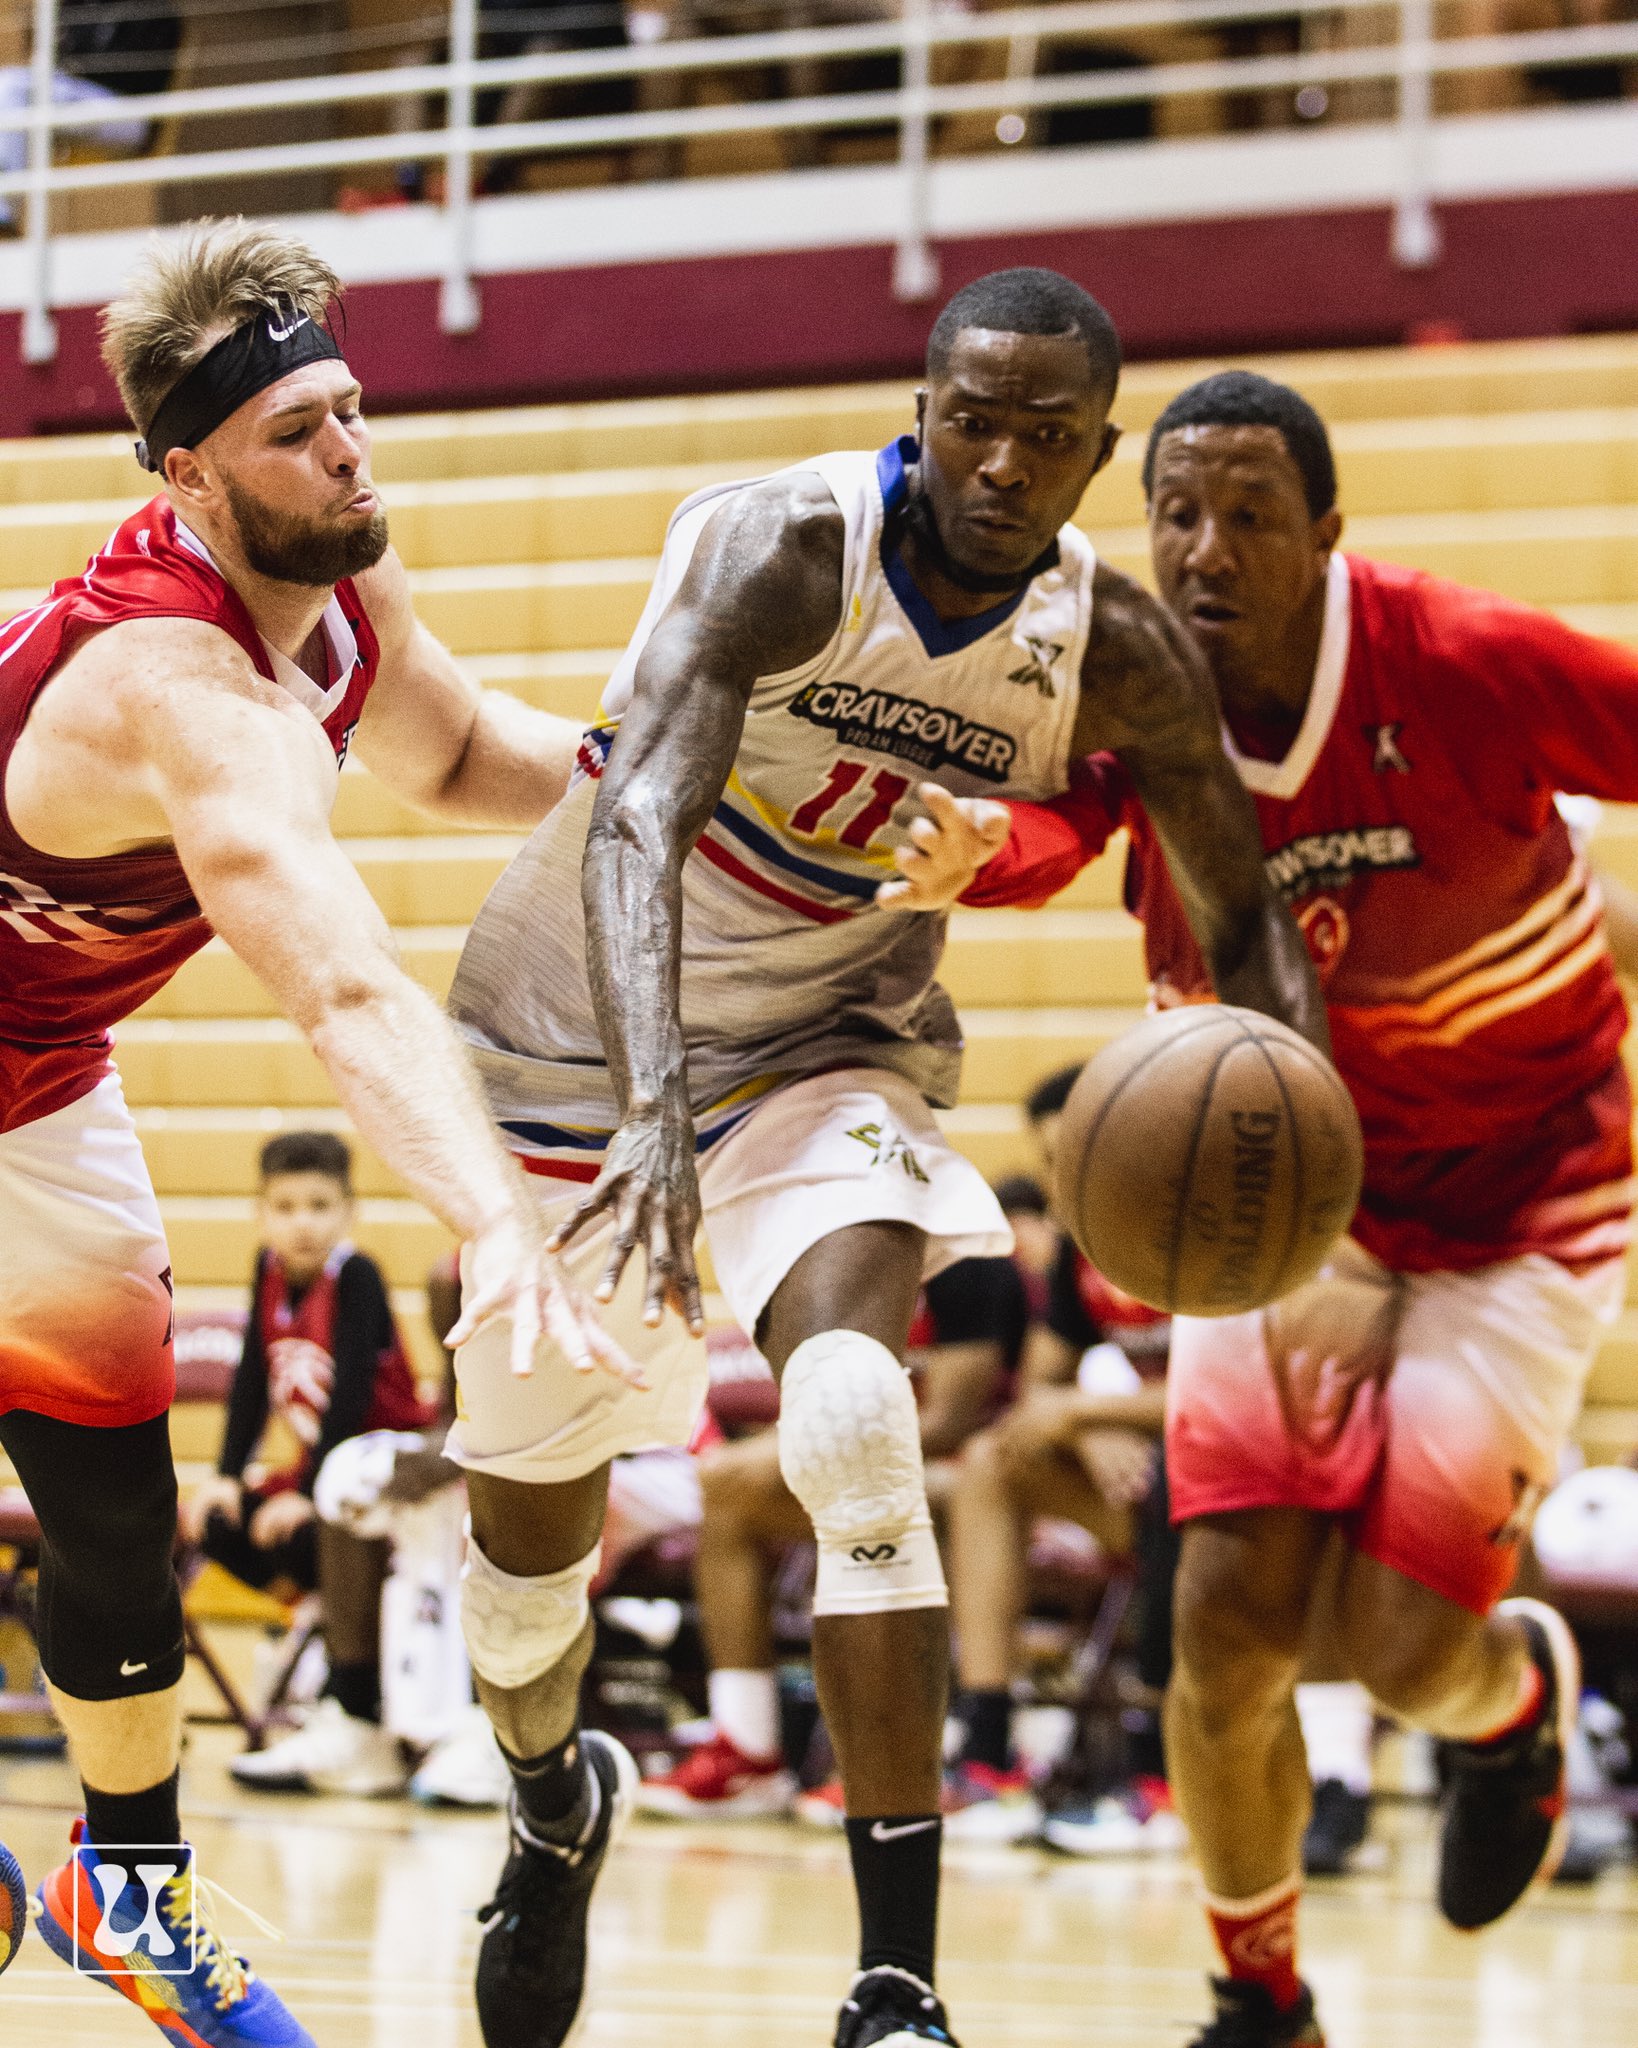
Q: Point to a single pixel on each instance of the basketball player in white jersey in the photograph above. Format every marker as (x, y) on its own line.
(683, 993)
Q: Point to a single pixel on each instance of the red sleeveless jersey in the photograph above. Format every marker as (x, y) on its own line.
(83, 943)
(1411, 828)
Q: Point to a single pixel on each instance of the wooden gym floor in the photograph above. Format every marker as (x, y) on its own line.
(727, 1937)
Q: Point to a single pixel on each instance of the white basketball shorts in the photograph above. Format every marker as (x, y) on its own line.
(85, 1279)
(858, 1145)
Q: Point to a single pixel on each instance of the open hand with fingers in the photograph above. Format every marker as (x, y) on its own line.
(649, 1186)
(511, 1272)
(947, 848)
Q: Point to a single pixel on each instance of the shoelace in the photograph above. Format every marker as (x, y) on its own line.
(228, 1976)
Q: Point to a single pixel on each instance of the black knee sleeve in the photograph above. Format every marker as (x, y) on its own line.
(110, 1608)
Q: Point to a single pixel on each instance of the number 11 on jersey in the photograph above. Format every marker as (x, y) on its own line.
(884, 787)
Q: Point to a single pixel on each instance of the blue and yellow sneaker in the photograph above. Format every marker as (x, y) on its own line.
(161, 1951)
(13, 1905)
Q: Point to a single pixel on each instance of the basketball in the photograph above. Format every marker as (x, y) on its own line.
(1207, 1160)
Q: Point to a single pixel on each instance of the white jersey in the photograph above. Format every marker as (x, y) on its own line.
(787, 965)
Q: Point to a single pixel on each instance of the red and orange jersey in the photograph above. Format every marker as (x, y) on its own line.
(85, 942)
(1411, 827)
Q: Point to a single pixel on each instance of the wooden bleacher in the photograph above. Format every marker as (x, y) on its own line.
(531, 535)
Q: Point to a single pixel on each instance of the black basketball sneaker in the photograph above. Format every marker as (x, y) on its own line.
(1247, 2017)
(1504, 1818)
(1336, 1828)
(889, 2008)
(532, 1959)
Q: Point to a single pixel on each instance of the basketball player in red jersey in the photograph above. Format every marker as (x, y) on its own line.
(171, 725)
(1403, 739)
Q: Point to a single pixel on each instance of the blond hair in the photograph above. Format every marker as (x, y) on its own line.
(192, 290)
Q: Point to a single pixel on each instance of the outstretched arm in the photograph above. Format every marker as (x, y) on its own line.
(241, 781)
(762, 594)
(1147, 698)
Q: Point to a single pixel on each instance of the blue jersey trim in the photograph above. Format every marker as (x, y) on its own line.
(556, 1138)
(938, 636)
(773, 850)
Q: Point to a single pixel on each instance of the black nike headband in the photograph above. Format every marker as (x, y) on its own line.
(257, 353)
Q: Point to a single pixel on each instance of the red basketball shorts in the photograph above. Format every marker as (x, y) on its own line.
(85, 1297)
(1426, 1410)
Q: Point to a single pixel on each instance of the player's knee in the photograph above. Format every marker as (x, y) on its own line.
(850, 1451)
(518, 1629)
(110, 1607)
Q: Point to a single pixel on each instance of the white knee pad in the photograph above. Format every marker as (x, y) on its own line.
(517, 1629)
(850, 1450)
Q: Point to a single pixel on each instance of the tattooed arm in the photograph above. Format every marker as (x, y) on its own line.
(762, 594)
(1147, 698)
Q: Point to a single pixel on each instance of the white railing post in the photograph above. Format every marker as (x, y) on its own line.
(1416, 237)
(459, 307)
(39, 329)
(915, 262)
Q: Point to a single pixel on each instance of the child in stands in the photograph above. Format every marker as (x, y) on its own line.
(322, 1362)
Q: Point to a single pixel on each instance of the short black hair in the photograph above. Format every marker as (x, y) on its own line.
(1047, 1097)
(1240, 398)
(1021, 1194)
(1028, 301)
(308, 1152)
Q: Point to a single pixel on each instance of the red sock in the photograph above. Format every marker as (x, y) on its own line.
(1532, 1695)
(1258, 1939)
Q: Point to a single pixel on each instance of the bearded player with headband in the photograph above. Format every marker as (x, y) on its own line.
(171, 726)
(681, 994)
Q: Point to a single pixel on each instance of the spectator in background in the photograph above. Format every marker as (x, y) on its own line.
(322, 1363)
(1036, 1238)
(1081, 1445)
(964, 1345)
(532, 28)
(106, 50)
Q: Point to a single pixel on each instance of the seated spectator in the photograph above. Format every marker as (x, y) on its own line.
(1081, 1445)
(391, 1512)
(322, 1362)
(1036, 1238)
(1084, 1444)
(106, 50)
(1085, 1450)
(963, 1346)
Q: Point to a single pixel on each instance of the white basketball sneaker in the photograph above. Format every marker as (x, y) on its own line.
(465, 1769)
(332, 1751)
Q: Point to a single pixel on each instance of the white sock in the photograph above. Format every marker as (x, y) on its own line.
(1337, 1725)
(745, 1707)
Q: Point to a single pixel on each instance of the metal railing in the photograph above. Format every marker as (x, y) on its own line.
(1407, 64)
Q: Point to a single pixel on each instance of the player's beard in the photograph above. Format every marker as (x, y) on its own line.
(918, 521)
(290, 549)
